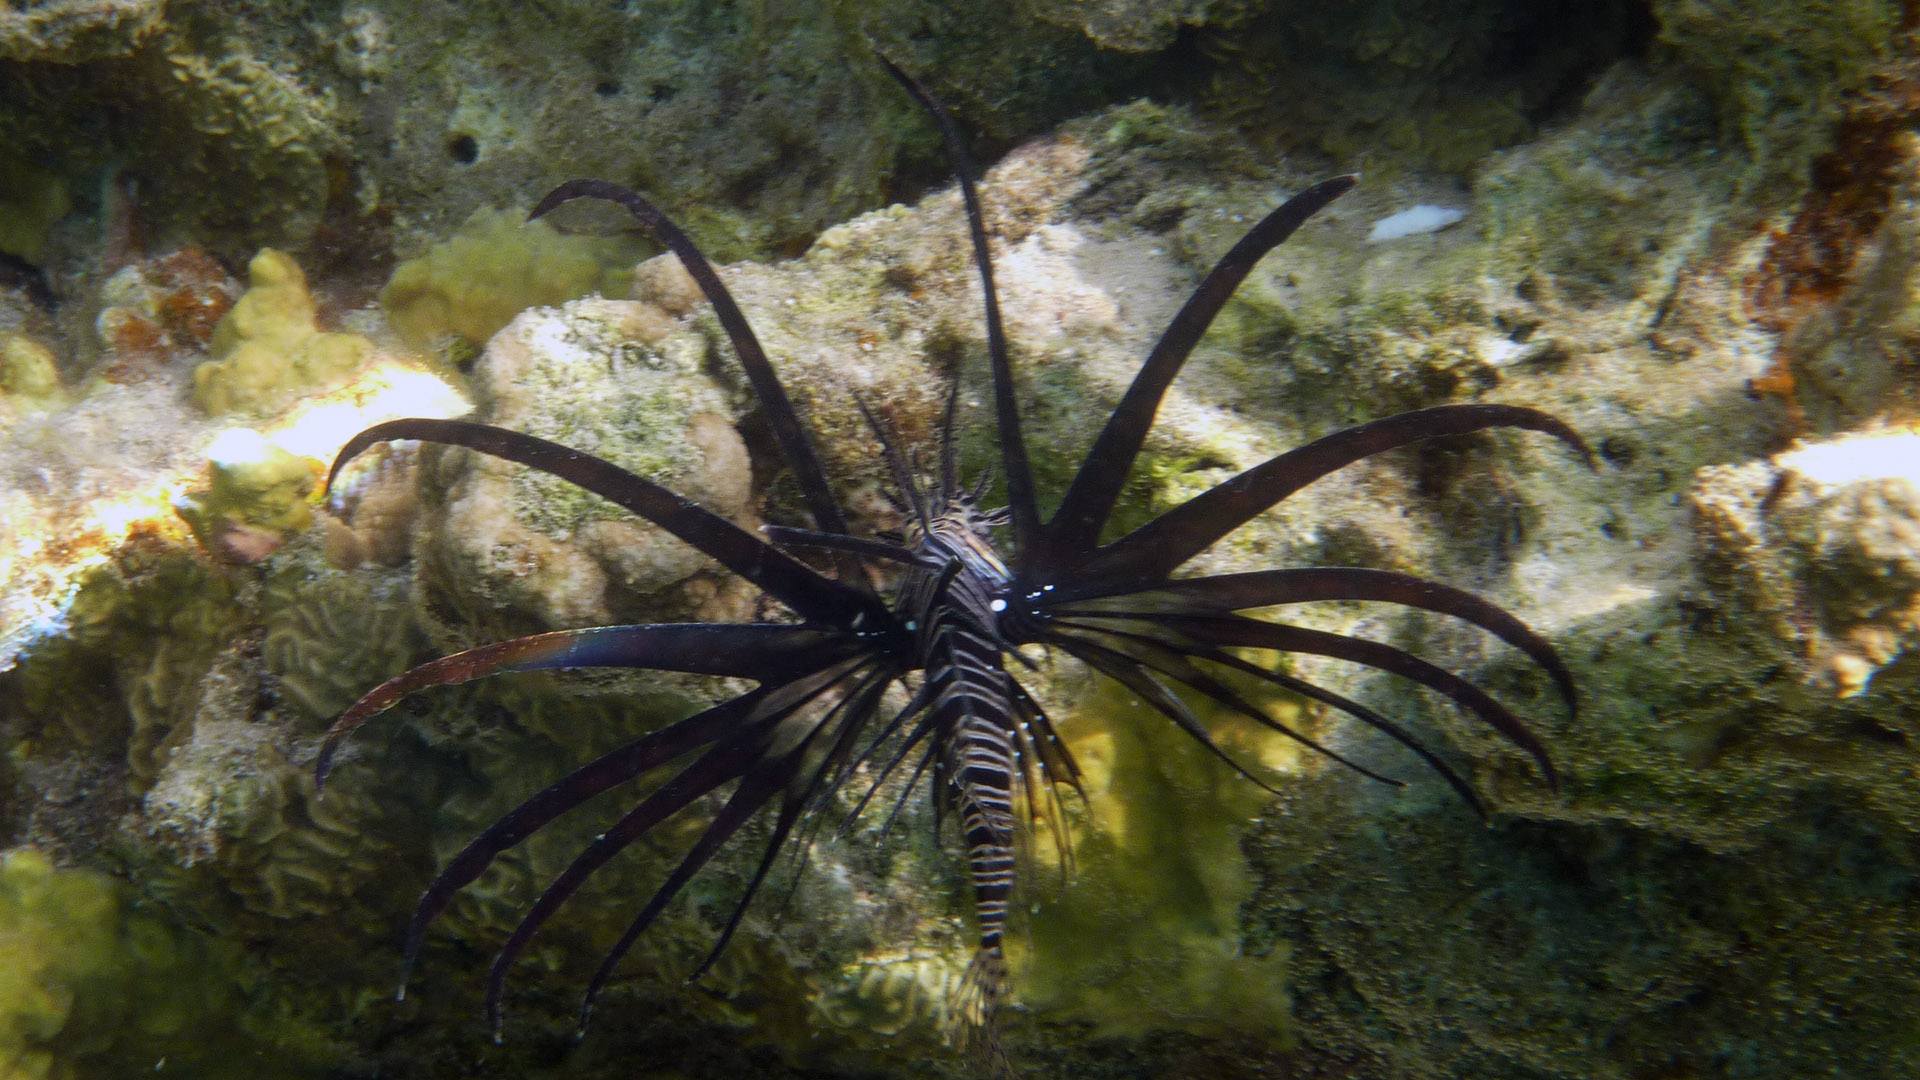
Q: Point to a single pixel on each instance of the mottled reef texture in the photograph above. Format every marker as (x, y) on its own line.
(1689, 229)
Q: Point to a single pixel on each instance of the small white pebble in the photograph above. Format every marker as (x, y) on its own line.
(1420, 219)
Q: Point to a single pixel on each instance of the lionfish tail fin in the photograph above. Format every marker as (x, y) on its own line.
(970, 1019)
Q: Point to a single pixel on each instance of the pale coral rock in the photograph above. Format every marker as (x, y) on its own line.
(579, 375)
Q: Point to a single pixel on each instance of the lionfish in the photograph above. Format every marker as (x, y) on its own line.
(959, 606)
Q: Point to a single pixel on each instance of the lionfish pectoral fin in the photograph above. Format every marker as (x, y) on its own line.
(1153, 551)
(814, 596)
(1227, 593)
(775, 405)
(1235, 631)
(607, 771)
(763, 651)
(1075, 527)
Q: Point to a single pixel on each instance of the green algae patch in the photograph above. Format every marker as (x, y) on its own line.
(269, 349)
(1147, 937)
(469, 286)
(1779, 70)
(90, 986)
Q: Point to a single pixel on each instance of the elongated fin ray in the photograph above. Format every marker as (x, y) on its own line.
(853, 545)
(915, 706)
(603, 773)
(744, 757)
(860, 707)
(1147, 555)
(1233, 630)
(767, 651)
(1124, 670)
(1006, 407)
(716, 767)
(774, 403)
(1075, 527)
(1153, 652)
(782, 576)
(1298, 585)
(1176, 642)
(769, 776)
(733, 720)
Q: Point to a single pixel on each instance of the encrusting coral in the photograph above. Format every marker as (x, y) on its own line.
(498, 265)
(268, 348)
(90, 986)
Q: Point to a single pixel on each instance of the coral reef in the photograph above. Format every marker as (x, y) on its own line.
(1780, 70)
(91, 987)
(1696, 255)
(142, 633)
(1822, 544)
(328, 639)
(229, 148)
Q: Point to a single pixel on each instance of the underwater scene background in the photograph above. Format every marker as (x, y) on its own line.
(231, 235)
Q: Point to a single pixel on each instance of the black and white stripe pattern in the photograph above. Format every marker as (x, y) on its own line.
(954, 614)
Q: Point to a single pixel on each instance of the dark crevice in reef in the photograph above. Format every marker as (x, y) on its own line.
(1470, 77)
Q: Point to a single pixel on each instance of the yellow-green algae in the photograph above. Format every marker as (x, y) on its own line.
(268, 349)
(498, 265)
(90, 986)
(28, 371)
(1146, 937)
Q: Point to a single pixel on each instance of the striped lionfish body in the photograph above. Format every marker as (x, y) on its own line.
(820, 710)
(975, 720)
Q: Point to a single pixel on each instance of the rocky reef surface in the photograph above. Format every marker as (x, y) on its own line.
(234, 234)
